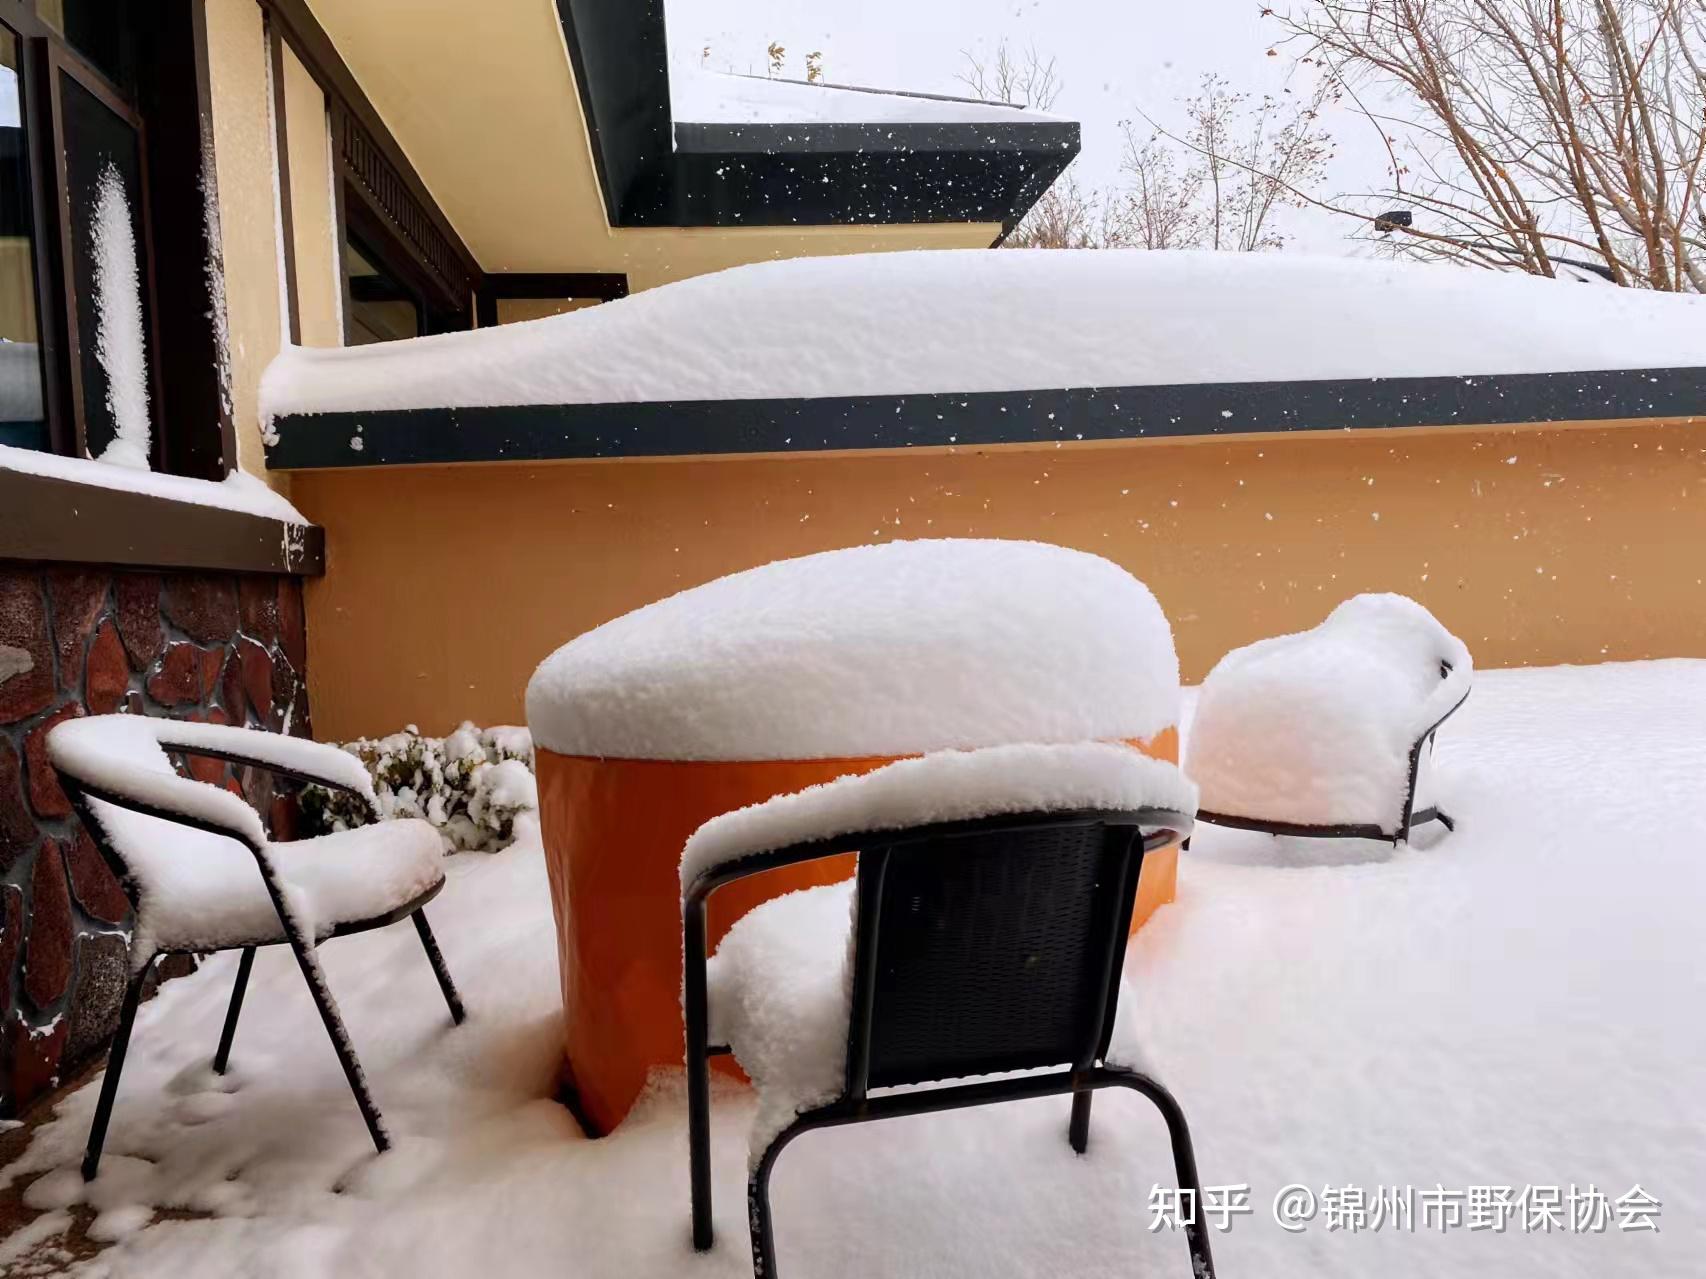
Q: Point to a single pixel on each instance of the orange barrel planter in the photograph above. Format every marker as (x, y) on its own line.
(741, 689)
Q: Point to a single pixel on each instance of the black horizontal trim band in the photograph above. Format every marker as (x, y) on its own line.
(405, 437)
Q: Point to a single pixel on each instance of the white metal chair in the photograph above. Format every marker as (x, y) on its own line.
(202, 875)
(984, 933)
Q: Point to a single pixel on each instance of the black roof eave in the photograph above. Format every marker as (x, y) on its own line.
(655, 172)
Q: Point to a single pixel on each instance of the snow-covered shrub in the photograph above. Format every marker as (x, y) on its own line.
(470, 785)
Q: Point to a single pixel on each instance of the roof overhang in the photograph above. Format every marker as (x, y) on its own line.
(657, 172)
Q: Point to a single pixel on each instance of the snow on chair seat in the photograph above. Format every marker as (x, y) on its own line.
(201, 891)
(1329, 732)
(983, 933)
(201, 874)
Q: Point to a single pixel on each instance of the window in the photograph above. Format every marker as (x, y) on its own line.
(99, 30)
(101, 193)
(108, 346)
(392, 288)
(23, 419)
(381, 308)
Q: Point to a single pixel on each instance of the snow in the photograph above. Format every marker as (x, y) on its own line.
(892, 649)
(118, 322)
(200, 890)
(716, 97)
(238, 491)
(780, 992)
(943, 321)
(1507, 1006)
(1316, 728)
(944, 786)
(781, 982)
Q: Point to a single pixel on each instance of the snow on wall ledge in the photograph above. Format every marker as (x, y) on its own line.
(238, 491)
(894, 649)
(973, 321)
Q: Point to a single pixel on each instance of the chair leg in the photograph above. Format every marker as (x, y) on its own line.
(115, 1067)
(316, 979)
(1079, 1131)
(758, 1213)
(222, 1058)
(436, 959)
(1184, 1164)
(699, 1144)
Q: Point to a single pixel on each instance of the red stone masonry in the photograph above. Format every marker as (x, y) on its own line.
(220, 647)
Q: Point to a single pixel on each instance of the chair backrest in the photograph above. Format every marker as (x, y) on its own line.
(990, 946)
(151, 848)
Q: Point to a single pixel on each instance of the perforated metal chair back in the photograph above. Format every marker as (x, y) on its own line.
(990, 950)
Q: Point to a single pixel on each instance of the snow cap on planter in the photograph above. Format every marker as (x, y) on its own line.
(892, 649)
(1317, 728)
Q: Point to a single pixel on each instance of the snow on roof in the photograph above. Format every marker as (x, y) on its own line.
(713, 97)
(893, 649)
(238, 491)
(944, 786)
(970, 320)
(1317, 727)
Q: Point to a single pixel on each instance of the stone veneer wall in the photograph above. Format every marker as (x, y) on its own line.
(225, 648)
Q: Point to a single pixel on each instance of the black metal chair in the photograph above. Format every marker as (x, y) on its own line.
(111, 779)
(1410, 818)
(980, 947)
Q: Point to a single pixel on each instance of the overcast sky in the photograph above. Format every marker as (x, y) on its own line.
(1114, 56)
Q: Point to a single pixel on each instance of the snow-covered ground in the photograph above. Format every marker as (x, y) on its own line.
(1514, 1005)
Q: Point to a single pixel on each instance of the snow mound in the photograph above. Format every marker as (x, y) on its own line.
(1316, 728)
(942, 321)
(781, 986)
(944, 786)
(893, 649)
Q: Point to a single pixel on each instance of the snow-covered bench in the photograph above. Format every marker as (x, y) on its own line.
(202, 875)
(983, 933)
(1330, 732)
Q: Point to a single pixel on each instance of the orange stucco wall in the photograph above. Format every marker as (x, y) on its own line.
(447, 585)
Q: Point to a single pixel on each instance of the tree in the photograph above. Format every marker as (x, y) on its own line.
(1535, 133)
(1022, 80)
(1216, 186)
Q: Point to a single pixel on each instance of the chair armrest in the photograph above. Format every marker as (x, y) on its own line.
(112, 757)
(294, 757)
